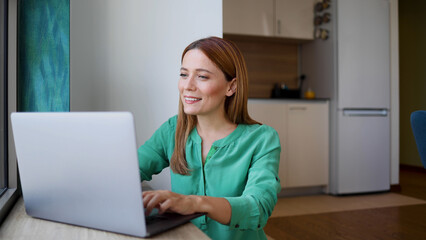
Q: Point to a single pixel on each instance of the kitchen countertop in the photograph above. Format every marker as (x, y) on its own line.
(292, 99)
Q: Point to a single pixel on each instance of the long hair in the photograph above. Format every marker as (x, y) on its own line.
(228, 58)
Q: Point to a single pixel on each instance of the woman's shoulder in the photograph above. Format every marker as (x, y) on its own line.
(260, 137)
(259, 128)
(169, 125)
(260, 131)
(172, 121)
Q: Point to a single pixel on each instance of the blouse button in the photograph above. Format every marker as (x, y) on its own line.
(258, 225)
(237, 226)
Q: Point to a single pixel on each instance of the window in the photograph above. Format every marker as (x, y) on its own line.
(3, 96)
(8, 168)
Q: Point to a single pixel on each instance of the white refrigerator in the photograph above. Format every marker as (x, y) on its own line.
(352, 68)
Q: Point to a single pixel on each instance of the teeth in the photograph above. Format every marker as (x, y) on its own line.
(192, 99)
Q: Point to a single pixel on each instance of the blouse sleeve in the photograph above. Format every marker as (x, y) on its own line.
(154, 154)
(252, 209)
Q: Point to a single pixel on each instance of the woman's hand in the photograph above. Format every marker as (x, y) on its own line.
(216, 208)
(169, 201)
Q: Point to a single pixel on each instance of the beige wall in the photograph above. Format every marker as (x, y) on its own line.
(412, 47)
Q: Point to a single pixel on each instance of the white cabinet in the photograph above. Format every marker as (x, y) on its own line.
(295, 19)
(303, 128)
(249, 17)
(279, 18)
(307, 144)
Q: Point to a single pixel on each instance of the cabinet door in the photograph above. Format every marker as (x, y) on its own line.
(249, 17)
(295, 19)
(363, 54)
(307, 145)
(363, 153)
(272, 113)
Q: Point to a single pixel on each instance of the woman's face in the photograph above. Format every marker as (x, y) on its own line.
(203, 86)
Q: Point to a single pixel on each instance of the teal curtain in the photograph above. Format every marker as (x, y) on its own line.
(43, 55)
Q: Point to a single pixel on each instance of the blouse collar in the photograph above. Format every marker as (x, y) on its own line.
(221, 142)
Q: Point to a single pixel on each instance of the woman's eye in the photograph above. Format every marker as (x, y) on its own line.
(183, 75)
(203, 77)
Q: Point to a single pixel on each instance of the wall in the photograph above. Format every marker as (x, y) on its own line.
(125, 56)
(412, 37)
(394, 75)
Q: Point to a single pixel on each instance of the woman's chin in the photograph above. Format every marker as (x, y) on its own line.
(190, 112)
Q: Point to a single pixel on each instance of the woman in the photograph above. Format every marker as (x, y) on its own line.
(223, 163)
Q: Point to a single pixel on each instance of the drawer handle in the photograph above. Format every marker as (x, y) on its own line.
(298, 108)
(365, 112)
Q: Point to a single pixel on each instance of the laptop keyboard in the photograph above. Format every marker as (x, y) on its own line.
(155, 218)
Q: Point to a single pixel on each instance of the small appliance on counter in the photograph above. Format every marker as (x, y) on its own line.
(280, 90)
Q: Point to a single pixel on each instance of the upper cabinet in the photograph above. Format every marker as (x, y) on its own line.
(294, 19)
(249, 17)
(271, 18)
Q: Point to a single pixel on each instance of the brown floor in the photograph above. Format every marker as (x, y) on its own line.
(397, 215)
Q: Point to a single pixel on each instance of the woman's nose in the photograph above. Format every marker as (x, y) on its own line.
(190, 83)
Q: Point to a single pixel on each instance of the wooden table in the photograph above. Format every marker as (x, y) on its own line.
(18, 225)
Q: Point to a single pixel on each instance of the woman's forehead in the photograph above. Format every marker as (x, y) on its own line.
(195, 59)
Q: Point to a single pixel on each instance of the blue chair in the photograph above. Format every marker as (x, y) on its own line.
(418, 124)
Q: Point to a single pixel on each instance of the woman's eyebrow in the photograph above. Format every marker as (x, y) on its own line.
(197, 70)
(202, 70)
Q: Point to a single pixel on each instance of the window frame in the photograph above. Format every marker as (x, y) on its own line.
(12, 192)
(3, 99)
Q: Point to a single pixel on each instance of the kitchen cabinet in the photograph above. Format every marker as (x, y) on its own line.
(307, 144)
(248, 17)
(294, 19)
(303, 129)
(271, 18)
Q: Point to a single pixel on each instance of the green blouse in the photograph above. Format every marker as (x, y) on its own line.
(242, 168)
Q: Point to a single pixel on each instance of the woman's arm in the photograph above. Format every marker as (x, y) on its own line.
(252, 209)
(154, 154)
(216, 208)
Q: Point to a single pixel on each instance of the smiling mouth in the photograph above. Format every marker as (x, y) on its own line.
(192, 99)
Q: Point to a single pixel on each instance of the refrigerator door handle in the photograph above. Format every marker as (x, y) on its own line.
(350, 112)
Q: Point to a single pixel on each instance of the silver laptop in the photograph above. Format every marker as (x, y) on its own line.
(82, 169)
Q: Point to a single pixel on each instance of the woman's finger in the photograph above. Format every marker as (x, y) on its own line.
(181, 204)
(146, 193)
(164, 206)
(156, 199)
(153, 202)
(147, 198)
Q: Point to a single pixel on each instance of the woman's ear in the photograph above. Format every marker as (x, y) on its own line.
(232, 87)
